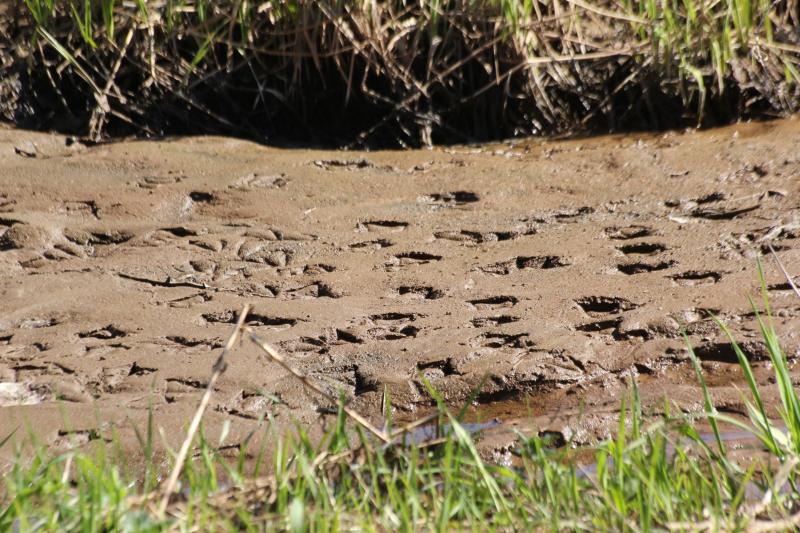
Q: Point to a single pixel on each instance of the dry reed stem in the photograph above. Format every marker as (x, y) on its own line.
(308, 383)
(785, 272)
(763, 526)
(219, 367)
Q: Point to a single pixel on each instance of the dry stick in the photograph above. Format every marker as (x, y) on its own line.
(608, 13)
(169, 282)
(218, 369)
(415, 424)
(785, 273)
(787, 524)
(278, 358)
(98, 112)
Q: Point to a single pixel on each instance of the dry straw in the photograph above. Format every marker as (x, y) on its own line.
(396, 71)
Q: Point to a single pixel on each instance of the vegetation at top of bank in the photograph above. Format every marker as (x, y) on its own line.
(394, 72)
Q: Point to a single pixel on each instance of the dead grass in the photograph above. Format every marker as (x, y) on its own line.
(398, 72)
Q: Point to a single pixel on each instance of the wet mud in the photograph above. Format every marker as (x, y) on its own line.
(549, 273)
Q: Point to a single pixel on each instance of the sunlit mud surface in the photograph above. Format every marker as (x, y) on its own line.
(550, 272)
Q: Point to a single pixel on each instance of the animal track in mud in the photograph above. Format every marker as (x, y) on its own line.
(560, 215)
(770, 233)
(37, 323)
(253, 319)
(100, 237)
(640, 267)
(499, 320)
(24, 236)
(321, 343)
(202, 197)
(8, 222)
(494, 302)
(476, 237)
(643, 248)
(312, 290)
(522, 263)
(393, 333)
(393, 326)
(499, 340)
(349, 164)
(716, 196)
(72, 438)
(375, 244)
(377, 225)
(662, 327)
(263, 320)
(696, 277)
(319, 268)
(691, 203)
(183, 231)
(81, 207)
(346, 336)
(597, 306)
(277, 234)
(785, 286)
(446, 366)
(203, 266)
(698, 321)
(725, 353)
(153, 182)
(259, 181)
(454, 198)
(186, 382)
(722, 213)
(600, 325)
(191, 343)
(419, 291)
(109, 332)
(137, 370)
(247, 405)
(628, 232)
(262, 252)
(6, 203)
(412, 258)
(393, 317)
(364, 382)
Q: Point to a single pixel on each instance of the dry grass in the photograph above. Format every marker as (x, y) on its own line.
(399, 72)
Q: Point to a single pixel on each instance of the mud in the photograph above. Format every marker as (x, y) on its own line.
(550, 273)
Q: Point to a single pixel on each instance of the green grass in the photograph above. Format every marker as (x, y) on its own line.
(444, 69)
(656, 473)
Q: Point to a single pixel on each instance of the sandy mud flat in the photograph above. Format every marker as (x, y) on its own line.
(553, 269)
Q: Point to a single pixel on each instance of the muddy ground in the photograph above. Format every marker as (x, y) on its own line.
(553, 269)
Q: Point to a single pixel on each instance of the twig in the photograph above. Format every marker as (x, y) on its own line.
(169, 282)
(308, 383)
(608, 13)
(219, 367)
(95, 123)
(783, 269)
(787, 524)
(408, 428)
